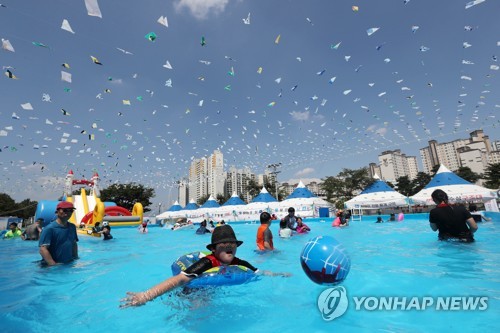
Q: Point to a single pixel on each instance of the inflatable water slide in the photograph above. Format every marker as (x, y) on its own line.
(89, 209)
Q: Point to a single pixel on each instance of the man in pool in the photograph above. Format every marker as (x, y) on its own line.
(224, 246)
(58, 241)
(452, 222)
(290, 219)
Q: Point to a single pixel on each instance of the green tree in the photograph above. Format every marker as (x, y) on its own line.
(345, 185)
(467, 174)
(201, 200)
(7, 205)
(26, 209)
(126, 195)
(435, 169)
(492, 176)
(420, 182)
(404, 185)
(253, 188)
(221, 198)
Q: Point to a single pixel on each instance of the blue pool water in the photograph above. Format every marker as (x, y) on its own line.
(389, 259)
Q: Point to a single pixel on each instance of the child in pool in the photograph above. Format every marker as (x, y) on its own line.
(302, 228)
(224, 245)
(106, 232)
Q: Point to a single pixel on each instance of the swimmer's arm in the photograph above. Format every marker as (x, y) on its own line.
(44, 252)
(75, 250)
(434, 226)
(472, 224)
(138, 299)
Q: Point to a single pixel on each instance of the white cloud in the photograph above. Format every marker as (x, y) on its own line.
(300, 115)
(202, 8)
(304, 172)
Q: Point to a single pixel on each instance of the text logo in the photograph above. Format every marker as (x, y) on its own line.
(332, 303)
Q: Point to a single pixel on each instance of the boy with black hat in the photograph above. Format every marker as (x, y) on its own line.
(223, 246)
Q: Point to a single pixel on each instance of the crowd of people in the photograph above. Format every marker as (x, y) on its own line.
(58, 241)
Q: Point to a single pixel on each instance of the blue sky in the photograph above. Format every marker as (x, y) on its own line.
(328, 96)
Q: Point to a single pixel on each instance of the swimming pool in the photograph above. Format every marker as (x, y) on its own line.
(389, 259)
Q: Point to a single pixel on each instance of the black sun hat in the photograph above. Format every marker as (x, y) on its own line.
(223, 234)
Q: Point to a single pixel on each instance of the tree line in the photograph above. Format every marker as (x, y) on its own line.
(338, 189)
(349, 182)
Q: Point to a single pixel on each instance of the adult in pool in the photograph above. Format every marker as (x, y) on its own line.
(455, 223)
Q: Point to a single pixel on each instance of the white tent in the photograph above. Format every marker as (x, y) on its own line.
(377, 195)
(458, 189)
(306, 204)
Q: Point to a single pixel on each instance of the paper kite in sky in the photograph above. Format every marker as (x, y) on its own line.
(371, 31)
(163, 21)
(65, 26)
(10, 75)
(247, 20)
(95, 61)
(151, 36)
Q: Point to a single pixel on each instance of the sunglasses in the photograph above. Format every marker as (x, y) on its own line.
(68, 210)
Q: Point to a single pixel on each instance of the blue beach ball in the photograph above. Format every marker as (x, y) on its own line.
(325, 261)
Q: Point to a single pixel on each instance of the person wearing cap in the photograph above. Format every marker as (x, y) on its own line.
(264, 234)
(290, 219)
(32, 232)
(58, 241)
(223, 246)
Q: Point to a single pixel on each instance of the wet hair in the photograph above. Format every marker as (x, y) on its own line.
(14, 224)
(291, 210)
(282, 224)
(107, 227)
(472, 208)
(439, 196)
(265, 217)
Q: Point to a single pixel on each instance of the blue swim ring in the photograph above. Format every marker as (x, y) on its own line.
(216, 276)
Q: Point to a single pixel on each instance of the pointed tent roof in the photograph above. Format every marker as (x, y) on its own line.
(191, 205)
(445, 177)
(457, 189)
(376, 195)
(264, 196)
(210, 203)
(301, 191)
(234, 200)
(175, 207)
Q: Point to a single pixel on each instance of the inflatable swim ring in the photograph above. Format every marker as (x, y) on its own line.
(216, 276)
(401, 217)
(336, 222)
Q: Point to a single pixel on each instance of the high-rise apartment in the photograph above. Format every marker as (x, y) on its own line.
(394, 164)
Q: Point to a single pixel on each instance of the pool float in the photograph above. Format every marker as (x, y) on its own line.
(216, 276)
(88, 232)
(401, 217)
